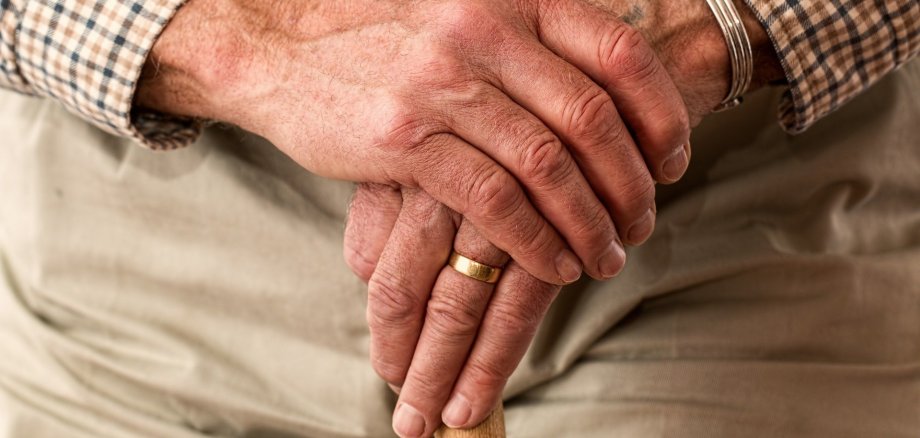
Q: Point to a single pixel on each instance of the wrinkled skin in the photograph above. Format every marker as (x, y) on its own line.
(467, 337)
(530, 130)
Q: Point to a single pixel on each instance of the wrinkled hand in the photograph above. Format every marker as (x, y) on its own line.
(451, 342)
(462, 337)
(468, 100)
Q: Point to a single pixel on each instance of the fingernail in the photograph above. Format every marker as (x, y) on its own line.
(394, 388)
(676, 165)
(408, 422)
(613, 260)
(642, 229)
(457, 412)
(568, 267)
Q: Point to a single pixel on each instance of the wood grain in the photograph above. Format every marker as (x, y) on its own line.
(493, 427)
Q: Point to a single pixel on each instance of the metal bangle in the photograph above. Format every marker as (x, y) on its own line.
(739, 50)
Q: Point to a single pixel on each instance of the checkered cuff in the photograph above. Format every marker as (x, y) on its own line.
(832, 50)
(88, 55)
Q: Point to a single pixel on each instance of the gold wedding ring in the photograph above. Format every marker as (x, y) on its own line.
(473, 269)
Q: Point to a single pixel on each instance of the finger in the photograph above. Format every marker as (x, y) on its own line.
(585, 118)
(469, 182)
(452, 320)
(619, 58)
(521, 143)
(371, 217)
(398, 291)
(518, 305)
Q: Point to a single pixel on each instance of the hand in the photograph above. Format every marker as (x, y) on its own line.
(474, 335)
(469, 100)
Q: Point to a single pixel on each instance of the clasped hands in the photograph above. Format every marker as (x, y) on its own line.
(527, 134)
(578, 131)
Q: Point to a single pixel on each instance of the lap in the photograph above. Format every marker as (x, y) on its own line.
(194, 292)
(203, 291)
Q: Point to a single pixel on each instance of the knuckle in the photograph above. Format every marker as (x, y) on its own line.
(666, 128)
(618, 134)
(637, 193)
(423, 213)
(514, 321)
(451, 318)
(469, 94)
(390, 302)
(545, 163)
(594, 224)
(465, 21)
(627, 54)
(494, 193)
(371, 198)
(590, 113)
(487, 373)
(536, 244)
(427, 381)
(438, 67)
(406, 126)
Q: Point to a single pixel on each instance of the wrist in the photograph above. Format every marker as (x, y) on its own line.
(693, 48)
(196, 63)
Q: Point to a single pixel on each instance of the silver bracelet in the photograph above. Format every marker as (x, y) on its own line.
(739, 50)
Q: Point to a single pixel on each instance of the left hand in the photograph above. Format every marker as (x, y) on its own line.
(474, 334)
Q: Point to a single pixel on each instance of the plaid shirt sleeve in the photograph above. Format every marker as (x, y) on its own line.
(832, 50)
(88, 55)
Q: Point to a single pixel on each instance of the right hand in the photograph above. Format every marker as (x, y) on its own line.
(468, 100)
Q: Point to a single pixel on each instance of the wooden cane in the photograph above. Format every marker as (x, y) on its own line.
(492, 427)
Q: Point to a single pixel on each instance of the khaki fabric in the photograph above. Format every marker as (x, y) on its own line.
(203, 291)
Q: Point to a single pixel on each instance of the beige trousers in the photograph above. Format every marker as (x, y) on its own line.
(203, 291)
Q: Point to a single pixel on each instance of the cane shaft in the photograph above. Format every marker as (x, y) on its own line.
(492, 427)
